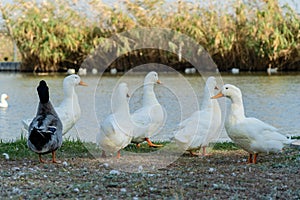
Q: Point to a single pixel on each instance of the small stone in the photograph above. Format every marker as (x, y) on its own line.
(123, 190)
(105, 165)
(15, 169)
(76, 190)
(151, 175)
(16, 190)
(65, 164)
(140, 169)
(114, 172)
(211, 170)
(6, 156)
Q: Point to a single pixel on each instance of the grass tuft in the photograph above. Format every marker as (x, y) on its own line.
(228, 146)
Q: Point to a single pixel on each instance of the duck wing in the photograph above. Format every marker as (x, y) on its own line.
(45, 133)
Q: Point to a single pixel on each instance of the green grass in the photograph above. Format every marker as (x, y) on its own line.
(144, 148)
(229, 146)
(69, 149)
(72, 148)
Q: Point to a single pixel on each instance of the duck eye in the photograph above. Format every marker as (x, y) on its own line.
(226, 88)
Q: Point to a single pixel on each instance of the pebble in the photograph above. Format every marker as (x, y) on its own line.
(151, 175)
(140, 169)
(76, 190)
(16, 168)
(114, 172)
(65, 164)
(123, 190)
(16, 190)
(6, 156)
(211, 169)
(106, 165)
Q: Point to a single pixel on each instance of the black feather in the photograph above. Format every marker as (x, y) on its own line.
(39, 138)
(43, 92)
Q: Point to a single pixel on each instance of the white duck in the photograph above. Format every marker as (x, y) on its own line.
(202, 126)
(69, 109)
(3, 103)
(148, 119)
(45, 130)
(116, 130)
(251, 134)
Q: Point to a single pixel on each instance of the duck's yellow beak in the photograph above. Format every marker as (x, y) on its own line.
(83, 83)
(219, 95)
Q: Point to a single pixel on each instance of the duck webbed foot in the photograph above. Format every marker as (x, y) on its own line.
(151, 144)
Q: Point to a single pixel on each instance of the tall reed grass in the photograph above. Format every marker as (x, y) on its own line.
(250, 35)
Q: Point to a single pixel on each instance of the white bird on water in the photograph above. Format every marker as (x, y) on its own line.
(3, 103)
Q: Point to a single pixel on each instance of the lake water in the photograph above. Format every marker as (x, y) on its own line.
(273, 99)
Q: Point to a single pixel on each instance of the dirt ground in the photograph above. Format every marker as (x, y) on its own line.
(223, 175)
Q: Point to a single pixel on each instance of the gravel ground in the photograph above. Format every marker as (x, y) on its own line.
(223, 175)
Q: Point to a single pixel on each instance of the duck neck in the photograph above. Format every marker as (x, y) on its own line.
(70, 97)
(207, 101)
(149, 97)
(46, 108)
(122, 108)
(237, 112)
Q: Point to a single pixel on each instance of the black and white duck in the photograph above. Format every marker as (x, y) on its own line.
(45, 130)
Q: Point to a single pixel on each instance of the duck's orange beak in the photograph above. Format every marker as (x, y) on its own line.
(158, 82)
(219, 95)
(83, 83)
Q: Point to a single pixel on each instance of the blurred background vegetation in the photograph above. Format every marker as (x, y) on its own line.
(57, 35)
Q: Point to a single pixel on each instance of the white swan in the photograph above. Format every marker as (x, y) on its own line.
(251, 134)
(148, 119)
(203, 126)
(69, 109)
(271, 70)
(116, 130)
(3, 103)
